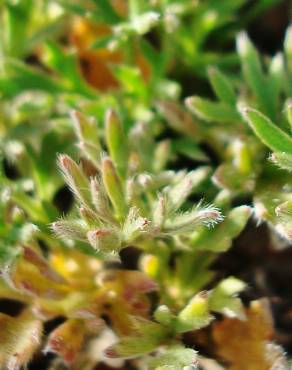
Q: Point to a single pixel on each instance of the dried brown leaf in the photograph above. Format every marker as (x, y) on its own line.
(19, 338)
(246, 344)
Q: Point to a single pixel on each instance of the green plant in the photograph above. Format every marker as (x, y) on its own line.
(244, 169)
(121, 207)
(128, 263)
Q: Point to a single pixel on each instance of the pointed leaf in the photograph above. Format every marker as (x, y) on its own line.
(267, 131)
(113, 186)
(223, 298)
(222, 86)
(75, 178)
(220, 237)
(254, 75)
(212, 111)
(116, 142)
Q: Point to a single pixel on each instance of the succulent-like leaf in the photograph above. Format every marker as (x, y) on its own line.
(195, 315)
(224, 298)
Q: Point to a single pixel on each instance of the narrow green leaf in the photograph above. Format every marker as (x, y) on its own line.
(113, 186)
(87, 133)
(179, 119)
(153, 56)
(187, 222)
(75, 178)
(100, 201)
(267, 131)
(16, 19)
(277, 75)
(222, 86)
(116, 142)
(219, 238)
(212, 111)
(189, 148)
(67, 229)
(66, 66)
(162, 155)
(131, 80)
(178, 193)
(106, 10)
(21, 77)
(254, 75)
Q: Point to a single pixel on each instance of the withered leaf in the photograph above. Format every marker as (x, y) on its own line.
(67, 340)
(247, 344)
(19, 338)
